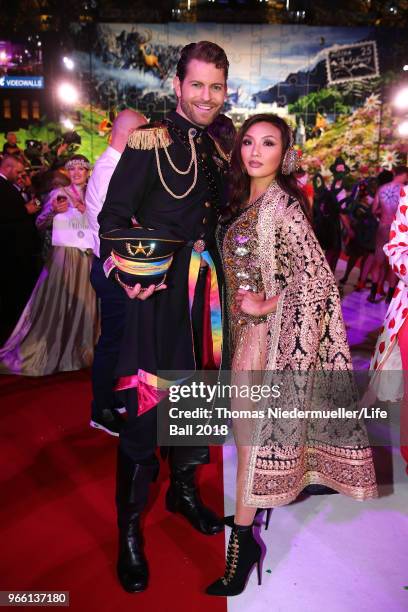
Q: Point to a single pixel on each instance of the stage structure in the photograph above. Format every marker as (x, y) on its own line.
(334, 85)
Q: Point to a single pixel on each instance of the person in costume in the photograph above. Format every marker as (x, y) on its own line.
(285, 318)
(59, 326)
(384, 207)
(391, 351)
(170, 181)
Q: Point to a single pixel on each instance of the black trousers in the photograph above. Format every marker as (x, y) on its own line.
(138, 440)
(113, 309)
(17, 282)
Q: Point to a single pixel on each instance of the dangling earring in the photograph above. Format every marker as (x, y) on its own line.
(290, 159)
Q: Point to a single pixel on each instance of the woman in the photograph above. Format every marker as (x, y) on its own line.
(361, 239)
(285, 316)
(58, 328)
(329, 212)
(385, 206)
(391, 352)
(384, 177)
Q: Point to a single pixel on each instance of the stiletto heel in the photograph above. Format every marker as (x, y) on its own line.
(258, 568)
(243, 554)
(268, 517)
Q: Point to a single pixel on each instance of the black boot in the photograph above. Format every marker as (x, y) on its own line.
(132, 487)
(229, 520)
(390, 295)
(373, 293)
(242, 554)
(182, 496)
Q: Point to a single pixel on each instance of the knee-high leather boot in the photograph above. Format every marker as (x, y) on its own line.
(183, 497)
(132, 488)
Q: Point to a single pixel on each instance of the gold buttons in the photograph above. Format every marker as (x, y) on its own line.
(207, 204)
(199, 140)
(204, 220)
(204, 155)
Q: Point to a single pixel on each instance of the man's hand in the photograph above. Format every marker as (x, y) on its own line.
(31, 207)
(62, 148)
(142, 294)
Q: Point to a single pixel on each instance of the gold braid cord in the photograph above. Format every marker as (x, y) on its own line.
(225, 156)
(193, 162)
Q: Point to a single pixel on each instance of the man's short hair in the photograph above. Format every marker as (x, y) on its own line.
(205, 51)
(400, 170)
(9, 157)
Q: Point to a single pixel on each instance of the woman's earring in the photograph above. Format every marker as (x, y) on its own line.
(290, 159)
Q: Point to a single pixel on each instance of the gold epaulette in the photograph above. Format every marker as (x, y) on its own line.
(149, 137)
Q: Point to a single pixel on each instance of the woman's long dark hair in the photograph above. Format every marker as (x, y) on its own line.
(239, 181)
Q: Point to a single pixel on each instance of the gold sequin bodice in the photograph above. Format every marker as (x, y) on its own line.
(241, 262)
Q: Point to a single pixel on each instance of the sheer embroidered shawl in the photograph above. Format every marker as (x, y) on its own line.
(307, 349)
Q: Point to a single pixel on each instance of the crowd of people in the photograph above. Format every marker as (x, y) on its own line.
(356, 222)
(73, 238)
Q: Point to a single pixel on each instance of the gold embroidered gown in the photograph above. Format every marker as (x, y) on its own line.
(271, 247)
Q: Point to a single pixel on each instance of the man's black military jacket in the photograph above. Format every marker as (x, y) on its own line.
(158, 332)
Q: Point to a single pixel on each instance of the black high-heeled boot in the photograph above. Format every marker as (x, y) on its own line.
(373, 293)
(132, 487)
(182, 496)
(229, 520)
(242, 554)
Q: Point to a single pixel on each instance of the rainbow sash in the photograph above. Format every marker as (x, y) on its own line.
(214, 300)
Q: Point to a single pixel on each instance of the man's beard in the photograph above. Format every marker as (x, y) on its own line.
(188, 110)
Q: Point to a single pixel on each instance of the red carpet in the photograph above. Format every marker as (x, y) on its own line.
(58, 527)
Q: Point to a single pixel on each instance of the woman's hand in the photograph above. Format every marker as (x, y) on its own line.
(80, 206)
(255, 304)
(60, 206)
(142, 294)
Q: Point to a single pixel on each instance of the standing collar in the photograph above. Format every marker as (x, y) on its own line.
(184, 124)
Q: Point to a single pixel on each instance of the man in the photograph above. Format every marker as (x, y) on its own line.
(385, 206)
(11, 147)
(19, 242)
(176, 186)
(112, 297)
(25, 187)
